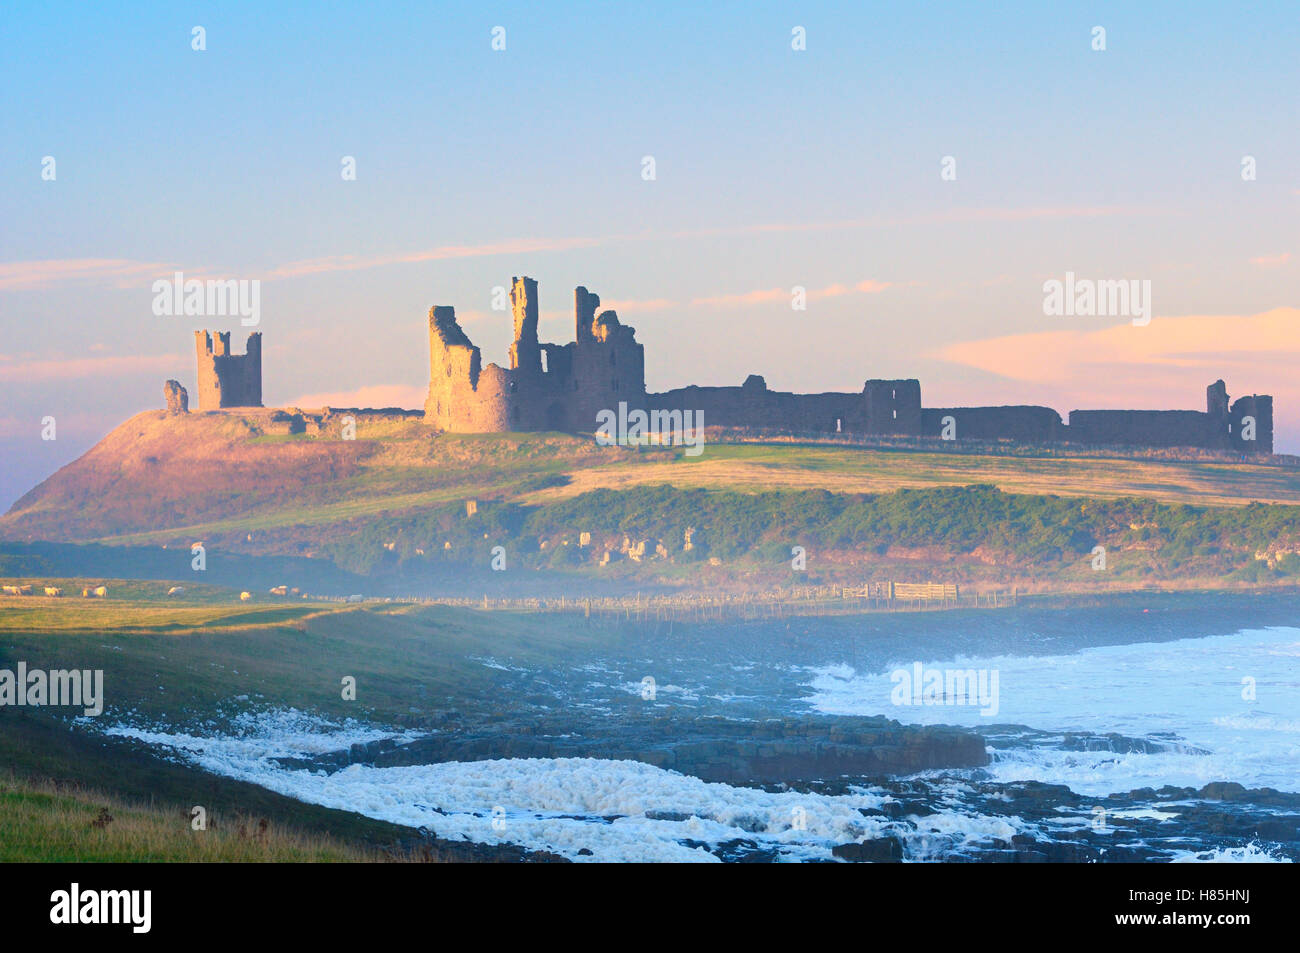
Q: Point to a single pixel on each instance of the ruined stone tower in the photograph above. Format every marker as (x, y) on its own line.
(547, 386)
(226, 379)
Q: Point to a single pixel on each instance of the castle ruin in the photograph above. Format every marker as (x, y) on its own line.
(546, 386)
(226, 379)
(564, 387)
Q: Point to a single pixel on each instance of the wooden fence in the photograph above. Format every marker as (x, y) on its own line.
(775, 603)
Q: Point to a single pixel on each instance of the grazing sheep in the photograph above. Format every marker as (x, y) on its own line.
(54, 591)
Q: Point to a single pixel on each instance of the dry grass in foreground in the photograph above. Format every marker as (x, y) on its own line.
(47, 823)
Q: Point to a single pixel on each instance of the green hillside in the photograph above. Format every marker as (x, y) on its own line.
(395, 504)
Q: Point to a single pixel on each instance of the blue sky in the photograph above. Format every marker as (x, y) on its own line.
(774, 168)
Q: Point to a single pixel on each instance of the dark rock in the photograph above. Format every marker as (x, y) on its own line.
(882, 850)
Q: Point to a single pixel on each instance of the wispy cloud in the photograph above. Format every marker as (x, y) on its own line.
(1271, 261)
(632, 306)
(16, 275)
(764, 295)
(520, 246)
(1124, 365)
(66, 369)
(127, 272)
(379, 395)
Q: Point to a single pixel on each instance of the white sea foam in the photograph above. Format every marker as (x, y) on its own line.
(617, 810)
(1250, 854)
(1187, 694)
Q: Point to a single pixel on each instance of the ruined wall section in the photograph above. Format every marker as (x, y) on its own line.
(226, 379)
(547, 386)
(1259, 407)
(883, 407)
(892, 407)
(1022, 423)
(463, 395)
(1147, 428)
(607, 365)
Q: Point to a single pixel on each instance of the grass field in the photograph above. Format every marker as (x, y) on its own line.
(756, 467)
(58, 777)
(391, 505)
(159, 479)
(48, 823)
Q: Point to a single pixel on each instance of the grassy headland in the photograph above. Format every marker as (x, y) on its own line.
(388, 512)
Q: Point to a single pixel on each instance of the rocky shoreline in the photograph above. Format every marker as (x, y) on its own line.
(710, 748)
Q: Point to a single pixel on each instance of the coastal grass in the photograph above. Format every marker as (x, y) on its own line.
(133, 605)
(408, 661)
(189, 660)
(754, 467)
(44, 822)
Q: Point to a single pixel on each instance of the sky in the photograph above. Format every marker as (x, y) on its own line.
(821, 168)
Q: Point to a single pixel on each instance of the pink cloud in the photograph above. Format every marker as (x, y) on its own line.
(952, 216)
(16, 275)
(377, 395)
(764, 295)
(1271, 261)
(748, 297)
(521, 246)
(1124, 365)
(126, 272)
(59, 369)
(630, 305)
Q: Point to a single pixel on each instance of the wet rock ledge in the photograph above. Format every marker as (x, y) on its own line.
(714, 749)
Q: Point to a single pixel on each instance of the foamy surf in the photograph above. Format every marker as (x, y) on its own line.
(1222, 708)
(580, 808)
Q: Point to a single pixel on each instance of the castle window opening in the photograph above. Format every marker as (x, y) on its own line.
(544, 370)
(838, 425)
